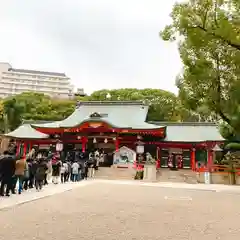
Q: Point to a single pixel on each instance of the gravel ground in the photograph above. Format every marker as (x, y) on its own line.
(107, 211)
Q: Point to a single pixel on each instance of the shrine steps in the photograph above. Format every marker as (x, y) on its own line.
(115, 173)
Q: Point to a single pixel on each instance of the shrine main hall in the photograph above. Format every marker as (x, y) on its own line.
(112, 125)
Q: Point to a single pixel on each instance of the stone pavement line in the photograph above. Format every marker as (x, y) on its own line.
(178, 198)
(32, 195)
(200, 187)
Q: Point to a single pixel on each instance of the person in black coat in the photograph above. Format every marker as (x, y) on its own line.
(7, 170)
(86, 168)
(41, 168)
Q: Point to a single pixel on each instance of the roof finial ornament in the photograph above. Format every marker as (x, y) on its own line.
(95, 115)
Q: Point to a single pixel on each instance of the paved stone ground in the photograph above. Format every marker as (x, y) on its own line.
(32, 194)
(124, 211)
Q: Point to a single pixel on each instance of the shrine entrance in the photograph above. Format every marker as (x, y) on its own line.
(105, 146)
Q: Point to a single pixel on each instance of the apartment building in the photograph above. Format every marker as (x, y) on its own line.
(15, 81)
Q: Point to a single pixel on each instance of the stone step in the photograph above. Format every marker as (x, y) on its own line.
(163, 175)
(115, 173)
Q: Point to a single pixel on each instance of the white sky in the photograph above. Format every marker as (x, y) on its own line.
(97, 43)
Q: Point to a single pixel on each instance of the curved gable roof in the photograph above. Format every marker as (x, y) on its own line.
(25, 131)
(191, 131)
(118, 114)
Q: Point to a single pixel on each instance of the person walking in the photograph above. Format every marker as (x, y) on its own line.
(75, 171)
(7, 170)
(56, 166)
(26, 176)
(80, 170)
(64, 172)
(86, 165)
(92, 169)
(40, 174)
(48, 174)
(33, 170)
(21, 166)
(69, 172)
(31, 173)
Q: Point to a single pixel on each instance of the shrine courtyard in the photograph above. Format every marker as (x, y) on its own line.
(108, 211)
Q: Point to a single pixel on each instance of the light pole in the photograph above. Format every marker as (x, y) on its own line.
(215, 149)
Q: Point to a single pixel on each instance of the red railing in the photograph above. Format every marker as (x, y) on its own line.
(219, 169)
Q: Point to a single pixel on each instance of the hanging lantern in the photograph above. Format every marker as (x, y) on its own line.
(79, 137)
(94, 140)
(105, 140)
(59, 147)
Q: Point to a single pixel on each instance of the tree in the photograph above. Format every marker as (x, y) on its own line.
(163, 105)
(35, 106)
(12, 114)
(208, 32)
(61, 108)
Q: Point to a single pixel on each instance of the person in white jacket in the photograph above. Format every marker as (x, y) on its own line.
(75, 171)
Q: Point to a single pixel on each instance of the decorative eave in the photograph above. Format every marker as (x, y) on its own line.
(102, 123)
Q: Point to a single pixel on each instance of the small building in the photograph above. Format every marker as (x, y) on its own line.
(110, 125)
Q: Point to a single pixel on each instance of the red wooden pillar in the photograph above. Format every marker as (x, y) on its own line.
(193, 159)
(30, 146)
(84, 141)
(117, 144)
(25, 149)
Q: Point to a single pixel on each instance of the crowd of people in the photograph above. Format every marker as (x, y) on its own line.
(18, 174)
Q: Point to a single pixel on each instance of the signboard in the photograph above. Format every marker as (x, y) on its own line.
(176, 150)
(106, 145)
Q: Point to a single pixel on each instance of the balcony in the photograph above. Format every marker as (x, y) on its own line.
(45, 79)
(38, 83)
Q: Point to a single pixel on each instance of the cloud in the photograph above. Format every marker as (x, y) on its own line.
(98, 43)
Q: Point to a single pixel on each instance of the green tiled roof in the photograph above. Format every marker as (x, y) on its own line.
(191, 132)
(117, 114)
(25, 131)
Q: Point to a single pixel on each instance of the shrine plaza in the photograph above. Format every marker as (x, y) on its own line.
(106, 210)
